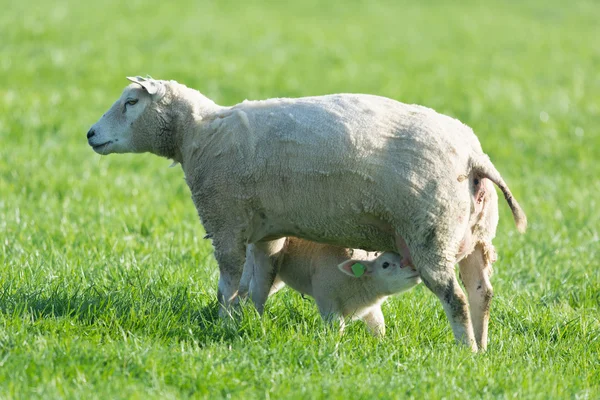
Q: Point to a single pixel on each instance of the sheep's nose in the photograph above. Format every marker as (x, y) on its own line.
(91, 133)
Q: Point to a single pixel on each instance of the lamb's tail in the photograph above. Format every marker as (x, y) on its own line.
(483, 166)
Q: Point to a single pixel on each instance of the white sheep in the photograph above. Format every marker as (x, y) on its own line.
(345, 283)
(351, 170)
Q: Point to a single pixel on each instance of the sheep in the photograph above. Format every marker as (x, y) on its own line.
(345, 283)
(352, 170)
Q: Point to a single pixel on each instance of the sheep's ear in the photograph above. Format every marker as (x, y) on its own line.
(155, 88)
(355, 268)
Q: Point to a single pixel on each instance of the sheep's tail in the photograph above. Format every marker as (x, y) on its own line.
(483, 166)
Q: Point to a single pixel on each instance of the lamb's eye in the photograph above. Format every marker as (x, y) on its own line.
(131, 102)
(385, 265)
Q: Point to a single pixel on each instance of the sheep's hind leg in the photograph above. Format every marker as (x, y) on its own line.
(475, 271)
(437, 273)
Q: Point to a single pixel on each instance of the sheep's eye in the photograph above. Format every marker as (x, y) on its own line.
(131, 102)
(385, 265)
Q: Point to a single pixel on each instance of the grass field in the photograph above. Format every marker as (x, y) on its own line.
(107, 289)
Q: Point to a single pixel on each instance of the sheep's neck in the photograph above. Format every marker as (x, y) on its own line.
(187, 111)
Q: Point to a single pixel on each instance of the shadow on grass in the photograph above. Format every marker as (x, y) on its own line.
(180, 316)
(176, 314)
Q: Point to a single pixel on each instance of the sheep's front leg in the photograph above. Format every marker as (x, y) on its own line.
(475, 271)
(375, 322)
(263, 270)
(230, 255)
(248, 275)
(246, 278)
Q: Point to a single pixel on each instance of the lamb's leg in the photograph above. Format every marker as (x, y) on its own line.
(375, 322)
(278, 284)
(437, 273)
(331, 318)
(342, 324)
(264, 272)
(475, 271)
(329, 312)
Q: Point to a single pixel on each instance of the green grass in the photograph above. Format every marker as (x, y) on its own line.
(107, 288)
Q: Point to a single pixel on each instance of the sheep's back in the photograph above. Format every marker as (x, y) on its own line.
(341, 169)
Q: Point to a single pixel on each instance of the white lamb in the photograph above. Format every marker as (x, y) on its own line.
(345, 283)
(351, 170)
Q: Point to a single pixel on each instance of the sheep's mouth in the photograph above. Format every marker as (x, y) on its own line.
(98, 147)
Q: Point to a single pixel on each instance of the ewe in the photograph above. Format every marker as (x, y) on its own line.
(345, 283)
(351, 170)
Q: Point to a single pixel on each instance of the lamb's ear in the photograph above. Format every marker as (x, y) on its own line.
(155, 88)
(355, 268)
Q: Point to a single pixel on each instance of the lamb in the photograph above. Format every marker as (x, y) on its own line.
(351, 170)
(345, 283)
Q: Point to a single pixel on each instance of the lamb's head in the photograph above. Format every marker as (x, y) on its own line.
(136, 122)
(387, 272)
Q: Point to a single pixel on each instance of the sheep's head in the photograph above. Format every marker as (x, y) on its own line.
(133, 123)
(388, 272)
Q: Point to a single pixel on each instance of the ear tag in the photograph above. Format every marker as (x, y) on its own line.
(358, 269)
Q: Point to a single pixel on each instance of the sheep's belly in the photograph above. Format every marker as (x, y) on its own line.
(358, 232)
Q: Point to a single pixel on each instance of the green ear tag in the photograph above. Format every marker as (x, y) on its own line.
(358, 269)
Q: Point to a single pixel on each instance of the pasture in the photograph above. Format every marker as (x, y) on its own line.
(107, 288)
